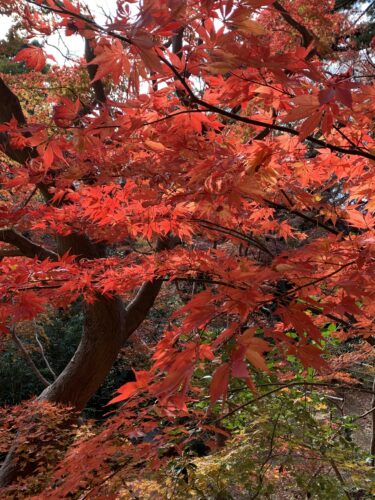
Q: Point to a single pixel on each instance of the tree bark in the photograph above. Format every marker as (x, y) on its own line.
(95, 355)
(29, 360)
(102, 338)
(107, 324)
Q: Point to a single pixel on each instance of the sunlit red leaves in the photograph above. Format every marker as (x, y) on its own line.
(305, 106)
(348, 305)
(29, 285)
(301, 322)
(311, 356)
(27, 305)
(34, 57)
(50, 150)
(339, 88)
(129, 389)
(321, 108)
(310, 124)
(186, 123)
(172, 389)
(66, 112)
(148, 51)
(111, 58)
(178, 367)
(157, 147)
(239, 20)
(139, 169)
(359, 219)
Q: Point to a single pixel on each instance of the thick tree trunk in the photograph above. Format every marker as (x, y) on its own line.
(102, 338)
(107, 325)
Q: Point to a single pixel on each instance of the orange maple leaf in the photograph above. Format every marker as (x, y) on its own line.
(33, 57)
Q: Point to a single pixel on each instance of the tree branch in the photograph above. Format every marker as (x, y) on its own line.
(28, 358)
(258, 123)
(44, 357)
(282, 386)
(96, 27)
(372, 446)
(250, 240)
(10, 108)
(10, 252)
(26, 246)
(307, 37)
(314, 220)
(137, 309)
(92, 69)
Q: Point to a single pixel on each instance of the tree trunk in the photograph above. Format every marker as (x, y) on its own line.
(107, 325)
(101, 341)
(100, 344)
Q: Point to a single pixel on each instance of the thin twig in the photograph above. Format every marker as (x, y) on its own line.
(340, 478)
(267, 459)
(302, 215)
(365, 414)
(106, 479)
(286, 386)
(97, 28)
(26, 355)
(44, 357)
(233, 232)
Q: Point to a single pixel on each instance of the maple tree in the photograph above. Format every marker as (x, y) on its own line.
(222, 143)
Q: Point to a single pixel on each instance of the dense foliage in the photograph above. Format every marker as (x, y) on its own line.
(200, 180)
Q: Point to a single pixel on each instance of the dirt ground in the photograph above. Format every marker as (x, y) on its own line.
(357, 403)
